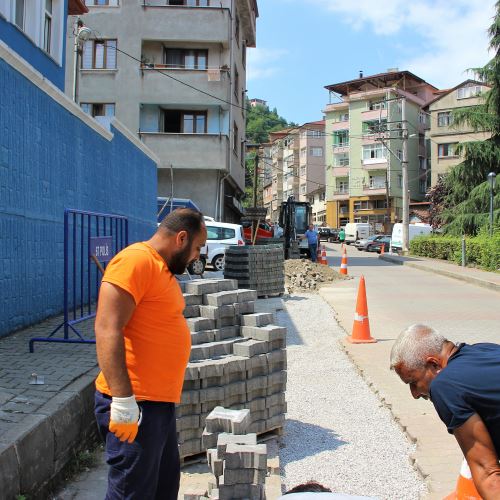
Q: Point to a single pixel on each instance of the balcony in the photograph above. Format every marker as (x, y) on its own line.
(342, 194)
(155, 84)
(341, 171)
(374, 189)
(340, 125)
(375, 164)
(342, 147)
(191, 151)
(186, 23)
(374, 114)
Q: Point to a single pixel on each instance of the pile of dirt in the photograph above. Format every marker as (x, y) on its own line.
(306, 276)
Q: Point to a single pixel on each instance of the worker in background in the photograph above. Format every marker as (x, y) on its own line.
(143, 345)
(463, 383)
(312, 240)
(341, 235)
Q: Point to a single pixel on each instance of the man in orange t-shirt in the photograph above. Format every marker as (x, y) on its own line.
(143, 344)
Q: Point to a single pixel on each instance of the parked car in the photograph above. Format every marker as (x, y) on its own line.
(198, 266)
(328, 234)
(362, 244)
(376, 246)
(221, 235)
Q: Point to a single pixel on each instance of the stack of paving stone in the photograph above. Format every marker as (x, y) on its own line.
(238, 463)
(258, 267)
(238, 360)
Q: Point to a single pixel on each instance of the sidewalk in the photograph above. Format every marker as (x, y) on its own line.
(399, 295)
(470, 275)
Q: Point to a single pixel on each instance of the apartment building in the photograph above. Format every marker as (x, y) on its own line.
(317, 199)
(365, 135)
(443, 136)
(298, 159)
(174, 72)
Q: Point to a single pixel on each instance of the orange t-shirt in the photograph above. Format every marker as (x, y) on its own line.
(157, 338)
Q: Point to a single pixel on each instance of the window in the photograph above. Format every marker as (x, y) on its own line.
(445, 119)
(101, 3)
(343, 117)
(399, 154)
(189, 3)
(303, 152)
(235, 137)
(220, 233)
(47, 26)
(469, 91)
(98, 109)
(315, 133)
(316, 151)
(373, 105)
(378, 204)
(340, 138)
(99, 54)
(343, 186)
(187, 122)
(303, 189)
(341, 160)
(377, 182)
(236, 82)
(19, 14)
(362, 205)
(185, 58)
(448, 149)
(302, 171)
(237, 29)
(423, 186)
(244, 56)
(322, 196)
(374, 151)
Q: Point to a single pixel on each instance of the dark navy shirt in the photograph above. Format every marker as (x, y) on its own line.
(469, 384)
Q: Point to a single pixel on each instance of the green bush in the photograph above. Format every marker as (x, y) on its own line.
(481, 251)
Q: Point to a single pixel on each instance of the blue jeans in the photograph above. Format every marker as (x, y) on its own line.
(148, 468)
(313, 248)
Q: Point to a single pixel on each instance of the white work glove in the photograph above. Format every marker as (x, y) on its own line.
(125, 418)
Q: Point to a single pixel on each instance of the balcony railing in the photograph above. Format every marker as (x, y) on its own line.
(341, 194)
(378, 188)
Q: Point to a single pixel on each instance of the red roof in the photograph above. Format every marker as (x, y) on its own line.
(76, 7)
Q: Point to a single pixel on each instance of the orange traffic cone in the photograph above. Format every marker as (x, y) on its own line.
(466, 490)
(361, 326)
(343, 263)
(323, 256)
(382, 249)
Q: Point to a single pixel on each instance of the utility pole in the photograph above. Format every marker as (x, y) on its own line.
(255, 177)
(404, 172)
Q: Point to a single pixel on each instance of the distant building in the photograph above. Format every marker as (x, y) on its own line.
(180, 54)
(258, 102)
(362, 175)
(442, 136)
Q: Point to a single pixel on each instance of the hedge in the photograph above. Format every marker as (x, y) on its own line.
(481, 251)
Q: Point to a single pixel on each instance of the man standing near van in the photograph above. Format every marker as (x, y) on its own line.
(143, 345)
(312, 240)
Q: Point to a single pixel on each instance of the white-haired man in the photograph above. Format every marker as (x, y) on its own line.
(463, 383)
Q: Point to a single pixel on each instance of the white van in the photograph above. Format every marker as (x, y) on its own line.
(221, 235)
(357, 231)
(418, 229)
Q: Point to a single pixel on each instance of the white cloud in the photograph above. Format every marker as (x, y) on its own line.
(454, 33)
(263, 63)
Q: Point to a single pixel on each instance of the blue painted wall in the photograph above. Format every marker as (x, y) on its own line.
(20, 43)
(51, 160)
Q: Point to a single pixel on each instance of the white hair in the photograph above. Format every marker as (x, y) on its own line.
(414, 344)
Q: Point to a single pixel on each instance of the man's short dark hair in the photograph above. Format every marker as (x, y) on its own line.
(183, 219)
(309, 487)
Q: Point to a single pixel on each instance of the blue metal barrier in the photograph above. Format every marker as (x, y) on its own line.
(91, 239)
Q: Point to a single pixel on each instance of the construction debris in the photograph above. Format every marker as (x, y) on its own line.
(306, 276)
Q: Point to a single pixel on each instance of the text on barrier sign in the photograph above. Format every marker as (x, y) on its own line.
(101, 247)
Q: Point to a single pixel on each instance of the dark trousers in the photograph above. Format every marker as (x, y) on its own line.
(313, 248)
(148, 468)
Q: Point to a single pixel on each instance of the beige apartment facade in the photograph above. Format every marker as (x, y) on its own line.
(443, 136)
(174, 72)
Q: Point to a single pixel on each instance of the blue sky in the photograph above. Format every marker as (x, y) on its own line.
(303, 45)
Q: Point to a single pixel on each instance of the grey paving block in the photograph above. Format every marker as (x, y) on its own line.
(192, 299)
(235, 365)
(209, 439)
(244, 476)
(226, 332)
(211, 368)
(191, 385)
(277, 360)
(210, 312)
(250, 348)
(202, 337)
(275, 399)
(215, 463)
(225, 285)
(187, 422)
(245, 295)
(235, 491)
(246, 456)
(191, 372)
(221, 298)
(190, 397)
(246, 307)
(183, 410)
(269, 333)
(260, 414)
(277, 410)
(192, 447)
(211, 394)
(257, 388)
(257, 366)
(197, 324)
(277, 344)
(201, 287)
(276, 421)
(189, 434)
(257, 319)
(225, 420)
(259, 426)
(191, 311)
(226, 439)
(198, 494)
(229, 321)
(255, 405)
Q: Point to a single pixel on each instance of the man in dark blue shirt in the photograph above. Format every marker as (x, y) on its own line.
(463, 383)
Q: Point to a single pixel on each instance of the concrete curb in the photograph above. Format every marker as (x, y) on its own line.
(34, 454)
(443, 272)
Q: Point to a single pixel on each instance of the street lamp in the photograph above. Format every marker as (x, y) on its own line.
(82, 34)
(491, 180)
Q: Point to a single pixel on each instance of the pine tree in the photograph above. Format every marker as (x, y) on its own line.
(467, 201)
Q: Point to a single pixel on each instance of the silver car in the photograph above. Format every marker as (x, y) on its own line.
(364, 243)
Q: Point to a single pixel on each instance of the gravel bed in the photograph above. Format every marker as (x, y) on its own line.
(337, 432)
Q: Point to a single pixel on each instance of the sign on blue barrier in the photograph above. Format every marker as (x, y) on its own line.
(91, 239)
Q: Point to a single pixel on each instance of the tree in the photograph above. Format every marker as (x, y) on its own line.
(466, 204)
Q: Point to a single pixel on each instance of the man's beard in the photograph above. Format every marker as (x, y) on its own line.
(178, 262)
